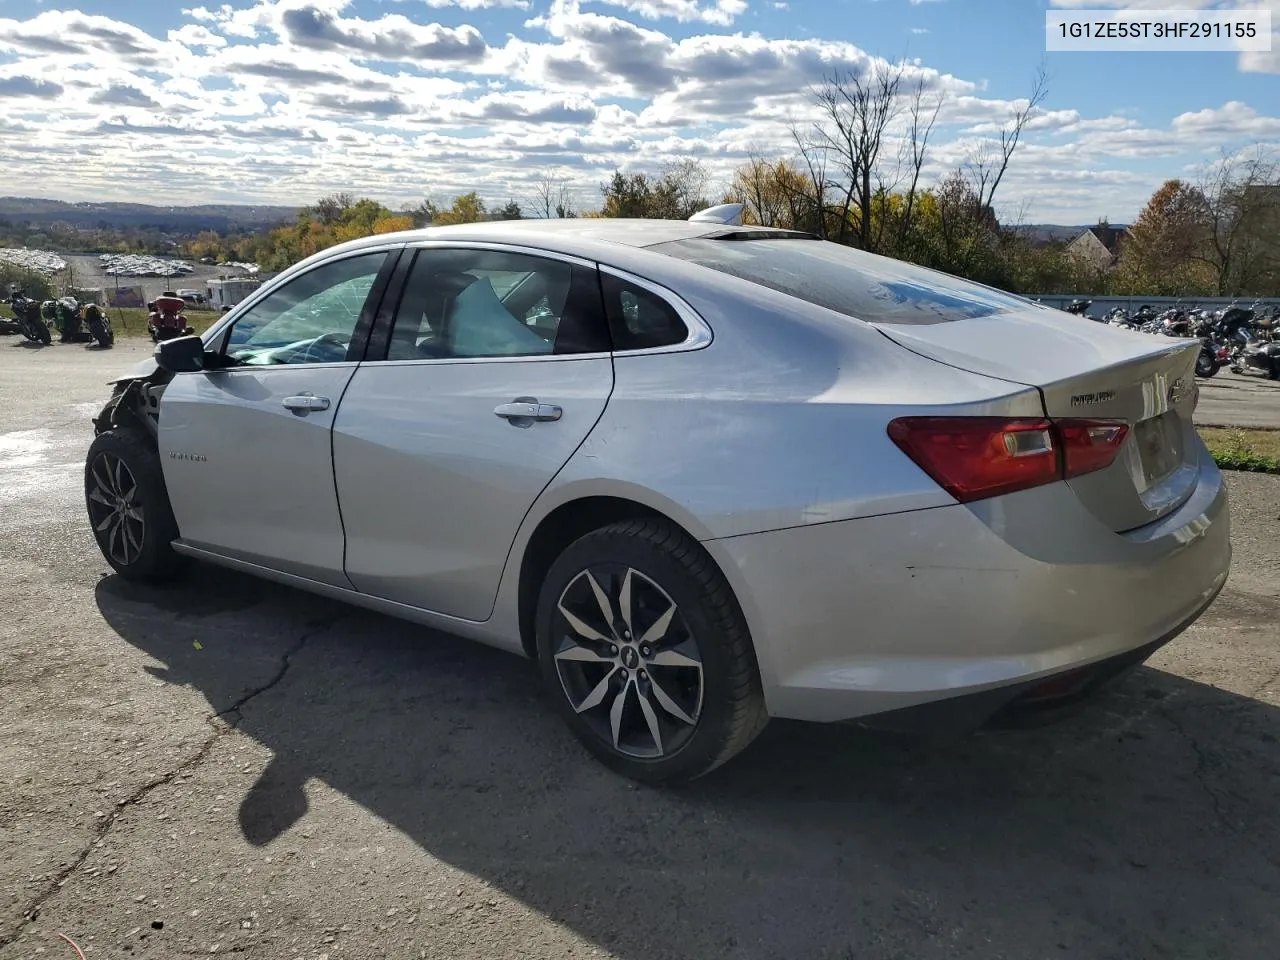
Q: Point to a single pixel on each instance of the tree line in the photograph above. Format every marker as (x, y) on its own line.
(857, 175)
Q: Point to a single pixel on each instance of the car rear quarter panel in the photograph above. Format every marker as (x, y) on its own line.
(779, 422)
(869, 615)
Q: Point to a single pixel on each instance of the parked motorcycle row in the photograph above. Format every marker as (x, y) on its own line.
(1244, 339)
(73, 321)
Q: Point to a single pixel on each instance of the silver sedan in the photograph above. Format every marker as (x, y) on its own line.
(705, 474)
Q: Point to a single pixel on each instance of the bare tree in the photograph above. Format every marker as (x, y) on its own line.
(685, 181)
(551, 197)
(1242, 200)
(987, 165)
(857, 109)
(922, 118)
(814, 156)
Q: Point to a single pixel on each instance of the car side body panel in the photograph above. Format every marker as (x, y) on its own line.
(434, 484)
(250, 478)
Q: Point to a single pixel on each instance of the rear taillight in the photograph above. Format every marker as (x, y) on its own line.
(1089, 445)
(973, 458)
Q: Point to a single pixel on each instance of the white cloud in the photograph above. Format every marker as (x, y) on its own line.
(721, 12)
(283, 100)
(479, 4)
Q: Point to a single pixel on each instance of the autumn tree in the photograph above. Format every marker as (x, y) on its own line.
(467, 208)
(677, 192)
(331, 209)
(424, 214)
(775, 193)
(1162, 255)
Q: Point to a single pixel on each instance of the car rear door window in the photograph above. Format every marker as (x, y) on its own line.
(471, 303)
(639, 319)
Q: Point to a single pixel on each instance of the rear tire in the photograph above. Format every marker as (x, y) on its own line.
(128, 507)
(1206, 367)
(667, 687)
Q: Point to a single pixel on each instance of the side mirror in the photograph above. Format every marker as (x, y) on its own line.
(181, 355)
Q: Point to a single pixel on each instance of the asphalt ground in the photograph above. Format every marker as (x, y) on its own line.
(1236, 400)
(228, 766)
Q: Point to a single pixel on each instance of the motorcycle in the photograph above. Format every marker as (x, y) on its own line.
(27, 318)
(167, 319)
(1078, 307)
(70, 320)
(99, 325)
(1213, 357)
(1258, 358)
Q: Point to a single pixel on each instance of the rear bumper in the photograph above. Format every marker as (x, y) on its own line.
(1011, 705)
(984, 601)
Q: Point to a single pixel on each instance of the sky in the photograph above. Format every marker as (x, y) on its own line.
(284, 101)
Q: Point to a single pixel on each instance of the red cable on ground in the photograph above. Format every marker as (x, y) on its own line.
(75, 946)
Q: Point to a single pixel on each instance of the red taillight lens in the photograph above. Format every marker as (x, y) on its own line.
(1089, 445)
(977, 457)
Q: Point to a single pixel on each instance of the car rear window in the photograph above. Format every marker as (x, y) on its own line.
(857, 284)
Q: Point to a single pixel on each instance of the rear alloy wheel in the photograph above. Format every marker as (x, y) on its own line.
(128, 506)
(647, 654)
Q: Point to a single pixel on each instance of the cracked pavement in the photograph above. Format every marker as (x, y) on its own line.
(228, 766)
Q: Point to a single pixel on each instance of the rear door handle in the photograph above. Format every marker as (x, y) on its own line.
(528, 409)
(305, 403)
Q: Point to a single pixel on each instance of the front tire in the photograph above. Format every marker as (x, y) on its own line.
(128, 507)
(646, 652)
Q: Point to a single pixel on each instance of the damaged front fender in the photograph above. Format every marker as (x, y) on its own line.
(135, 401)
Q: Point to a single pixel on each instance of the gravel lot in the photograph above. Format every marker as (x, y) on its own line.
(234, 767)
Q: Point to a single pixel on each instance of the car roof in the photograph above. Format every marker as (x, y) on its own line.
(631, 232)
(587, 237)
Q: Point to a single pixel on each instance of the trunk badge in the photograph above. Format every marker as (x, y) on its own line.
(1088, 399)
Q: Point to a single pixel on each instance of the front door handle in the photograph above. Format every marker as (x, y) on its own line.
(305, 403)
(527, 409)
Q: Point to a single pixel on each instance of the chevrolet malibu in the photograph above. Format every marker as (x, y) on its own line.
(703, 473)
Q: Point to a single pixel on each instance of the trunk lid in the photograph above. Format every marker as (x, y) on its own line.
(1096, 372)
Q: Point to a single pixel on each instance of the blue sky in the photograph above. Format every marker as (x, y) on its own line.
(284, 100)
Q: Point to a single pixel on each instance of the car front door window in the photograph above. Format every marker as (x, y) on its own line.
(312, 319)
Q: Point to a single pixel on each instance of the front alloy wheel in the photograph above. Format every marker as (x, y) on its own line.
(646, 652)
(115, 510)
(628, 662)
(128, 506)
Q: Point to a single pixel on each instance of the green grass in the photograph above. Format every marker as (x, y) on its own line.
(1257, 451)
(132, 322)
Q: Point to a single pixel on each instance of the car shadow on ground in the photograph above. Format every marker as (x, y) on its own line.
(1143, 826)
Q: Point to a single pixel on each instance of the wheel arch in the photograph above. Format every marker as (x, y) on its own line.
(566, 522)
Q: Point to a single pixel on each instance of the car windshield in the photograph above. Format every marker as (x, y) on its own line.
(851, 282)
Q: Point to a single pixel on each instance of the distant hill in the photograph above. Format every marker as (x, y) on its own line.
(170, 219)
(1051, 232)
